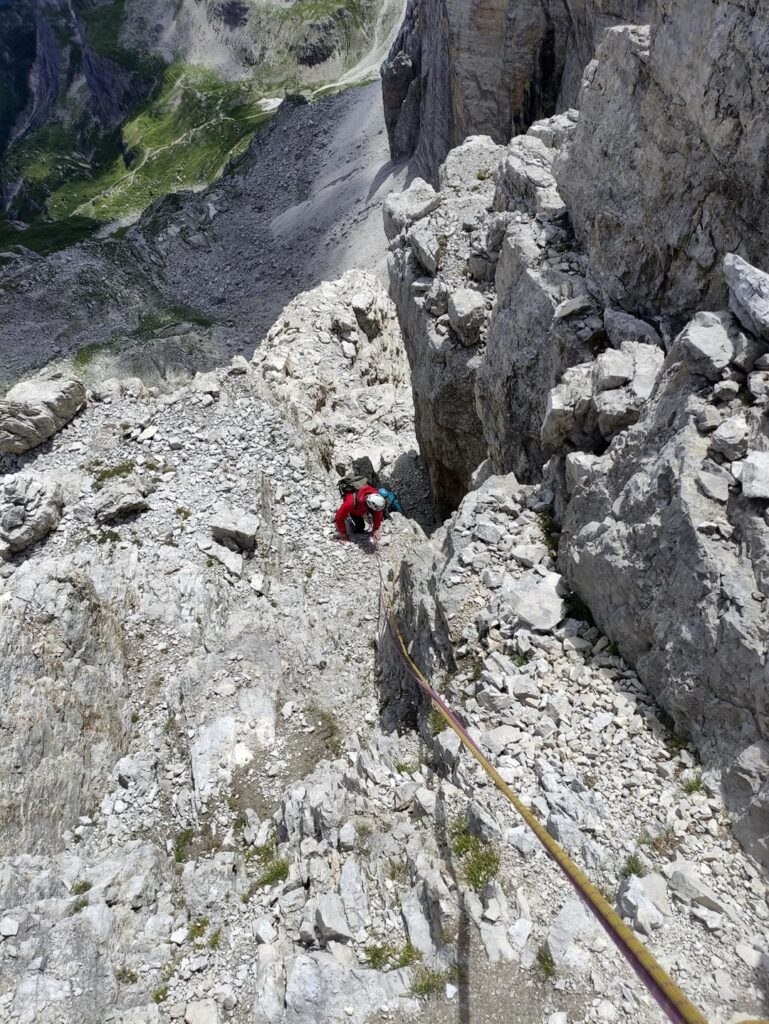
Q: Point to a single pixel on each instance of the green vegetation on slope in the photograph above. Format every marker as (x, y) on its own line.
(182, 138)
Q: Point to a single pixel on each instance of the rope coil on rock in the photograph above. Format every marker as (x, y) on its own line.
(659, 983)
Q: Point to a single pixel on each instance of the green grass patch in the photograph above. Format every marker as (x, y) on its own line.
(215, 939)
(328, 730)
(118, 472)
(198, 928)
(428, 982)
(80, 904)
(125, 976)
(85, 355)
(181, 138)
(160, 994)
(693, 784)
(45, 237)
(182, 841)
(551, 535)
(480, 860)
(80, 888)
(436, 723)
(272, 868)
(388, 957)
(633, 866)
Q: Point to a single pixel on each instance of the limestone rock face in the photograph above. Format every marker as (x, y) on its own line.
(35, 410)
(663, 111)
(650, 540)
(30, 507)
(488, 67)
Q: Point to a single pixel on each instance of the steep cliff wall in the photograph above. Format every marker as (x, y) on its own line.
(606, 231)
(669, 166)
(491, 67)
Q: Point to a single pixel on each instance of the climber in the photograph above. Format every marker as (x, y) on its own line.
(357, 504)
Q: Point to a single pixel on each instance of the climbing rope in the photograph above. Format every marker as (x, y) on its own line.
(669, 996)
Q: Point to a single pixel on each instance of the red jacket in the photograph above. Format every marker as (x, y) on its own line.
(355, 505)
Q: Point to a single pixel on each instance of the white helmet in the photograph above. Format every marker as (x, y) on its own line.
(375, 502)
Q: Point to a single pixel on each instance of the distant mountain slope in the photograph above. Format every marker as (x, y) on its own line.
(108, 105)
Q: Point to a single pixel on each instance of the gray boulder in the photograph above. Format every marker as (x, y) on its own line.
(30, 508)
(748, 294)
(707, 344)
(755, 475)
(121, 499)
(424, 242)
(35, 410)
(621, 327)
(402, 209)
(731, 438)
(467, 314)
(235, 529)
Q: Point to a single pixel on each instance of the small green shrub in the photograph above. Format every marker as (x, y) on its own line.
(551, 535)
(545, 961)
(435, 721)
(664, 843)
(328, 729)
(480, 860)
(632, 866)
(428, 982)
(80, 904)
(79, 888)
(198, 928)
(108, 537)
(693, 784)
(126, 976)
(398, 872)
(379, 958)
(406, 767)
(160, 994)
(181, 843)
(215, 940)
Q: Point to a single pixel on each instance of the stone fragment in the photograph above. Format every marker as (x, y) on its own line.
(467, 314)
(120, 499)
(30, 508)
(235, 529)
(687, 885)
(447, 747)
(35, 410)
(8, 927)
(570, 936)
(714, 483)
(331, 921)
(402, 209)
(634, 904)
(204, 1011)
(424, 243)
(612, 369)
(706, 344)
(748, 294)
(731, 438)
(535, 600)
(569, 307)
(755, 475)
(621, 327)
